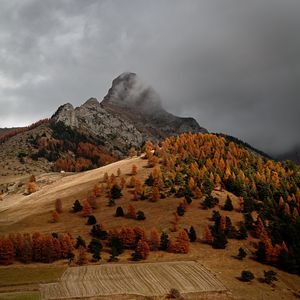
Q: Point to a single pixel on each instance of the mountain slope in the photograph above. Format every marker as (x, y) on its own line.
(265, 196)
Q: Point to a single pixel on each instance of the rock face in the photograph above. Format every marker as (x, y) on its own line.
(129, 114)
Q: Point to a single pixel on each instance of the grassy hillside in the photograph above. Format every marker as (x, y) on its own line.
(177, 185)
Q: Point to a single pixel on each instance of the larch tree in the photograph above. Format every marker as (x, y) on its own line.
(82, 256)
(87, 209)
(154, 239)
(58, 206)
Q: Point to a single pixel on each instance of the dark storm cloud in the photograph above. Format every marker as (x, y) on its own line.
(234, 65)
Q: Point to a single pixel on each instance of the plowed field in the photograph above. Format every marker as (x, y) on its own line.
(146, 279)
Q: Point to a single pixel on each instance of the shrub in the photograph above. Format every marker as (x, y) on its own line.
(140, 215)
(247, 276)
(175, 294)
(180, 210)
(242, 254)
(270, 276)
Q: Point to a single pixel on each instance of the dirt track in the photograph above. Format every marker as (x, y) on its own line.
(146, 279)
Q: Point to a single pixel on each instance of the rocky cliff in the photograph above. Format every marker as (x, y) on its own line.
(129, 114)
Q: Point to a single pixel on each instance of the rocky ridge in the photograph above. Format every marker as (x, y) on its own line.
(128, 115)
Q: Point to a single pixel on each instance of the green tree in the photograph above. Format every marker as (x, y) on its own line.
(241, 254)
(77, 206)
(119, 212)
(228, 204)
(164, 241)
(192, 234)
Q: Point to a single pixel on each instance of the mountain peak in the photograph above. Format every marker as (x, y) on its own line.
(91, 101)
(128, 90)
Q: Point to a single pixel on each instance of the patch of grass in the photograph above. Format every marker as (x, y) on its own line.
(20, 296)
(11, 276)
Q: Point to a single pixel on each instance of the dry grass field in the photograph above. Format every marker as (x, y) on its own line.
(145, 279)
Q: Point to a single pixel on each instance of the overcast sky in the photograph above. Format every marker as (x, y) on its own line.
(234, 65)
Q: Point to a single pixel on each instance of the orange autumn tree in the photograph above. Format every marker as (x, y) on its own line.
(207, 235)
(182, 243)
(154, 239)
(54, 217)
(142, 249)
(131, 212)
(134, 170)
(87, 209)
(155, 194)
(6, 251)
(58, 206)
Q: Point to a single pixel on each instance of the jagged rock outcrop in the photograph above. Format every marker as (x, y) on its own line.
(129, 114)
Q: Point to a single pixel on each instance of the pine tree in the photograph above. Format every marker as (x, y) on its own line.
(77, 206)
(228, 204)
(95, 247)
(91, 220)
(119, 212)
(219, 241)
(192, 234)
(116, 192)
(80, 242)
(164, 241)
(261, 253)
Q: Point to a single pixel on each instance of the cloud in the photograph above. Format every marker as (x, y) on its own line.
(233, 65)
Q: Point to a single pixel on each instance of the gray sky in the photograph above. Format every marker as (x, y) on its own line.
(234, 65)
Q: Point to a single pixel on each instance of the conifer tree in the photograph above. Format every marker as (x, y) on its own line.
(77, 206)
(87, 209)
(58, 206)
(154, 239)
(192, 234)
(82, 256)
(228, 204)
(119, 212)
(164, 241)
